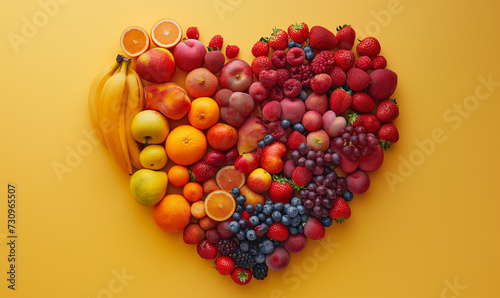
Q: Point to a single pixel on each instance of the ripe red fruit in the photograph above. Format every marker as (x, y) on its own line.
(338, 77)
(295, 56)
(278, 39)
(268, 78)
(260, 48)
(283, 76)
(301, 176)
(278, 231)
(357, 79)
(362, 102)
(214, 60)
(340, 101)
(344, 59)
(241, 276)
(368, 47)
(313, 229)
(292, 88)
(295, 139)
(298, 32)
(388, 134)
(232, 51)
(281, 190)
(321, 39)
(224, 265)
(369, 121)
(324, 62)
(346, 37)
(260, 64)
(340, 210)
(379, 62)
(278, 58)
(207, 250)
(387, 110)
(216, 42)
(295, 243)
(202, 171)
(364, 63)
(192, 33)
(358, 182)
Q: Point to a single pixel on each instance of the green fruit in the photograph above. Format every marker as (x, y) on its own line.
(148, 187)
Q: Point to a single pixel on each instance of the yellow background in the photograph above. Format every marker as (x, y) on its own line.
(434, 232)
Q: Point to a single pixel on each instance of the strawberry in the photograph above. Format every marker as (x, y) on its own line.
(192, 33)
(241, 276)
(245, 215)
(278, 39)
(278, 231)
(340, 100)
(298, 32)
(338, 76)
(224, 264)
(369, 121)
(357, 79)
(388, 134)
(216, 42)
(379, 62)
(321, 39)
(301, 176)
(207, 250)
(344, 59)
(362, 102)
(202, 171)
(387, 110)
(295, 139)
(232, 51)
(260, 48)
(340, 210)
(346, 37)
(368, 47)
(363, 63)
(259, 64)
(281, 190)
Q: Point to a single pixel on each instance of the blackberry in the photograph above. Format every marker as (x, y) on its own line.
(259, 271)
(226, 246)
(243, 259)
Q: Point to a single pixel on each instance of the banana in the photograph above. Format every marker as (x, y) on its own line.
(113, 101)
(95, 94)
(135, 104)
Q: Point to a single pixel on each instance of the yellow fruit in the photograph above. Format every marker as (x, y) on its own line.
(148, 187)
(150, 127)
(153, 157)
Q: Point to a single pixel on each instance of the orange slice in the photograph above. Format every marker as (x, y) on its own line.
(166, 33)
(229, 177)
(219, 205)
(134, 41)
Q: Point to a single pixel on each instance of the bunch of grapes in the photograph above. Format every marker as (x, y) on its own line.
(315, 161)
(354, 142)
(319, 194)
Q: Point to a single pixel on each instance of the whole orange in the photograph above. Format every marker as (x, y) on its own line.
(172, 213)
(186, 145)
(204, 112)
(222, 136)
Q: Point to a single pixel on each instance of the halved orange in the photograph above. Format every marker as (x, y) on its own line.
(134, 41)
(229, 177)
(219, 205)
(166, 33)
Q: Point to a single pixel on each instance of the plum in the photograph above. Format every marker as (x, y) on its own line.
(272, 111)
(312, 120)
(295, 243)
(383, 84)
(292, 109)
(288, 168)
(278, 259)
(372, 161)
(358, 182)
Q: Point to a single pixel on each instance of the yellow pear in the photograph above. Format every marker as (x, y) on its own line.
(148, 187)
(153, 157)
(149, 127)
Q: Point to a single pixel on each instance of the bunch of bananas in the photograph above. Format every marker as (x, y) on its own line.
(116, 96)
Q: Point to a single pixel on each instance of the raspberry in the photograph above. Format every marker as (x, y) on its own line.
(364, 63)
(260, 64)
(276, 93)
(302, 73)
(323, 62)
(379, 62)
(268, 78)
(283, 76)
(192, 33)
(295, 56)
(216, 43)
(232, 51)
(292, 88)
(338, 77)
(279, 58)
(279, 133)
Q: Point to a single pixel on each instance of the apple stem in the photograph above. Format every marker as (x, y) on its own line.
(147, 139)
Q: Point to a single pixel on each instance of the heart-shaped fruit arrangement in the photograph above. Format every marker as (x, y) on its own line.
(257, 157)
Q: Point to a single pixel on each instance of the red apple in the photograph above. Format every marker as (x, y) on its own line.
(247, 162)
(236, 75)
(156, 65)
(272, 157)
(190, 54)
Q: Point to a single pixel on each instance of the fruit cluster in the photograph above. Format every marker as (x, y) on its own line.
(247, 160)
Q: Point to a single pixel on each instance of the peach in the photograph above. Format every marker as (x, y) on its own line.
(251, 196)
(292, 109)
(222, 97)
(249, 134)
(168, 98)
(259, 180)
(271, 111)
(312, 120)
(156, 65)
(222, 136)
(258, 91)
(272, 157)
(236, 75)
(247, 162)
(317, 102)
(190, 54)
(318, 140)
(240, 106)
(200, 82)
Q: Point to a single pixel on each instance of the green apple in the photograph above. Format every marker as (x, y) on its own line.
(150, 127)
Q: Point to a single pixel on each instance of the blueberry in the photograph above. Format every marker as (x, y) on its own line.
(285, 123)
(304, 217)
(287, 205)
(251, 235)
(267, 209)
(240, 235)
(268, 139)
(266, 247)
(276, 216)
(295, 221)
(261, 144)
(244, 246)
(262, 217)
(241, 199)
(239, 208)
(300, 229)
(292, 211)
(293, 44)
(235, 191)
(236, 216)
(295, 201)
(309, 55)
(269, 221)
(258, 207)
(347, 195)
(269, 202)
(233, 226)
(285, 219)
(303, 95)
(254, 220)
(260, 258)
(326, 221)
(301, 209)
(242, 223)
(293, 230)
(278, 206)
(299, 127)
(307, 49)
(249, 208)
